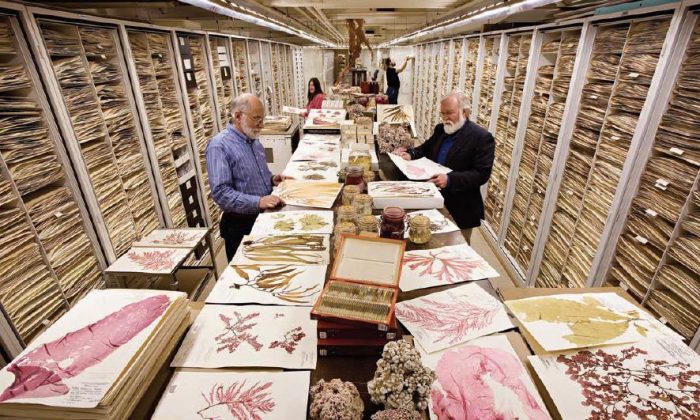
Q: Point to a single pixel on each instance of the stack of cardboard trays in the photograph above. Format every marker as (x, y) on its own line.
(98, 359)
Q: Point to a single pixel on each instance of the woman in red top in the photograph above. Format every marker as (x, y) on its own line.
(315, 95)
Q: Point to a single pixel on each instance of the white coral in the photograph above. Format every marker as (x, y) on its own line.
(400, 379)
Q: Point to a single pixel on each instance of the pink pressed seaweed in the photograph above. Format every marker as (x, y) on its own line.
(442, 265)
(152, 260)
(465, 376)
(236, 402)
(451, 320)
(40, 372)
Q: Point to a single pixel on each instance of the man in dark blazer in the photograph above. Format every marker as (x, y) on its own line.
(465, 148)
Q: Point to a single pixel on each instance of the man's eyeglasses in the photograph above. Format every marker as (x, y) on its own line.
(256, 120)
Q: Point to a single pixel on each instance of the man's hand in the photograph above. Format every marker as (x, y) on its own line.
(439, 180)
(401, 152)
(269, 202)
(277, 179)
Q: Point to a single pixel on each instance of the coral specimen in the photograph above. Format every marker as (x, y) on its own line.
(400, 379)
(397, 414)
(392, 136)
(355, 110)
(336, 400)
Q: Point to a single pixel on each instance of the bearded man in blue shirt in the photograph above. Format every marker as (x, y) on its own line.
(240, 181)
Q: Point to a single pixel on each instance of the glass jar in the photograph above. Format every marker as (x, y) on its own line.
(362, 204)
(367, 225)
(393, 224)
(368, 177)
(349, 193)
(346, 213)
(344, 228)
(419, 229)
(360, 156)
(353, 176)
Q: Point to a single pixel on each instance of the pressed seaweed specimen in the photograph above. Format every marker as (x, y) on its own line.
(152, 260)
(451, 320)
(443, 265)
(277, 281)
(237, 332)
(176, 238)
(40, 372)
(290, 341)
(631, 384)
(302, 249)
(237, 402)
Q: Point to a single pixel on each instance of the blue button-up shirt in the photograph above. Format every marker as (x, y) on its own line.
(238, 172)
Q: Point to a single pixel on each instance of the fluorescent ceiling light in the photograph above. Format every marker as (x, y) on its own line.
(484, 14)
(250, 17)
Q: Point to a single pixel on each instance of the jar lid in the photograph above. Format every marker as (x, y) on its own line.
(393, 212)
(351, 189)
(353, 170)
(346, 209)
(419, 221)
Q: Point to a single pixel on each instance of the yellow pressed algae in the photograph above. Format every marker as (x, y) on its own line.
(589, 321)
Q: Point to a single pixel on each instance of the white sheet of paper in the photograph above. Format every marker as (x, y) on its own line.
(482, 379)
(173, 238)
(292, 222)
(149, 260)
(634, 373)
(292, 110)
(308, 193)
(265, 250)
(418, 169)
(268, 285)
(451, 317)
(320, 171)
(84, 365)
(440, 266)
(250, 336)
(568, 321)
(335, 138)
(225, 394)
(405, 194)
(438, 222)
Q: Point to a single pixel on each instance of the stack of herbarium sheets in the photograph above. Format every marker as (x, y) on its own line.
(98, 359)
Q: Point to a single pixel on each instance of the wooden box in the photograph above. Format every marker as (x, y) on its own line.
(364, 281)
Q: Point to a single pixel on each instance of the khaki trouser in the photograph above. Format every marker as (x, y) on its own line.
(467, 233)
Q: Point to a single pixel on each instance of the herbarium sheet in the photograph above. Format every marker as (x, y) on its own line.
(292, 222)
(76, 360)
(308, 193)
(569, 321)
(438, 222)
(482, 379)
(653, 378)
(451, 317)
(440, 266)
(250, 336)
(289, 285)
(306, 249)
(227, 394)
(419, 169)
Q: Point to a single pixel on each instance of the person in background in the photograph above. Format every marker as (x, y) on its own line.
(392, 79)
(314, 94)
(465, 148)
(240, 181)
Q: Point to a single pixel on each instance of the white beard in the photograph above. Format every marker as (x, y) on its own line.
(248, 131)
(451, 128)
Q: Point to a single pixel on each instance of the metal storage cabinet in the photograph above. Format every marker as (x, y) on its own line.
(50, 255)
(154, 74)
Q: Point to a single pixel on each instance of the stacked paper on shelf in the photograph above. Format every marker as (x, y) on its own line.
(98, 359)
(405, 194)
(276, 124)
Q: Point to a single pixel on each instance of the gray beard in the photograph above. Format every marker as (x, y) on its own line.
(453, 128)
